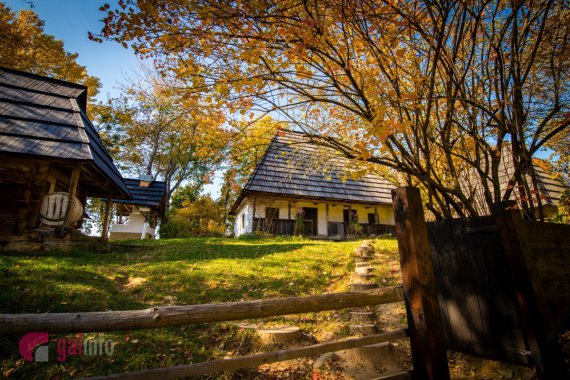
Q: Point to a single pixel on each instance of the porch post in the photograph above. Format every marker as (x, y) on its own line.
(106, 217)
(327, 217)
(252, 215)
(71, 196)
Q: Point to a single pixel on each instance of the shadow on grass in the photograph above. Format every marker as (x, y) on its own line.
(60, 289)
(189, 250)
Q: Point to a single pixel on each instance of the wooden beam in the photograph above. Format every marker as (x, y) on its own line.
(233, 364)
(13, 324)
(535, 313)
(106, 219)
(424, 319)
(73, 182)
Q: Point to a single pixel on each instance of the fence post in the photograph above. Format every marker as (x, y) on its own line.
(533, 307)
(424, 318)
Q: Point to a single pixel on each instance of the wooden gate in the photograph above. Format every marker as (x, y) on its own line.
(496, 286)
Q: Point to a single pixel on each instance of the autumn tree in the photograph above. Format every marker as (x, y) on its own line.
(155, 131)
(246, 146)
(440, 92)
(201, 216)
(25, 46)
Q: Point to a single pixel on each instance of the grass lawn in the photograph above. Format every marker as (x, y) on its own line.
(176, 271)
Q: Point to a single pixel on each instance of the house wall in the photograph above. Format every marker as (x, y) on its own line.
(135, 228)
(385, 213)
(244, 222)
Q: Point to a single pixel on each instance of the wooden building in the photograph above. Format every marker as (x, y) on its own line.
(548, 189)
(48, 145)
(138, 216)
(297, 180)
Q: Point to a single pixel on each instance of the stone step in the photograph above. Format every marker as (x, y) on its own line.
(364, 263)
(364, 270)
(359, 259)
(364, 251)
(362, 316)
(362, 277)
(321, 360)
(366, 243)
(371, 357)
(403, 375)
(359, 287)
(363, 329)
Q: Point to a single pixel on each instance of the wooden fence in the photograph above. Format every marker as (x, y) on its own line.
(502, 284)
(11, 324)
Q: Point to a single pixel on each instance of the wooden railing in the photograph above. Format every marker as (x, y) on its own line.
(282, 226)
(341, 229)
(11, 324)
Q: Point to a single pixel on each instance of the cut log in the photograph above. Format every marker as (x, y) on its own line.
(285, 335)
(363, 329)
(362, 316)
(356, 287)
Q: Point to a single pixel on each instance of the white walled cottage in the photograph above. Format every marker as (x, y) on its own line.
(298, 181)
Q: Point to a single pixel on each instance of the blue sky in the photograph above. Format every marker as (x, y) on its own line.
(70, 21)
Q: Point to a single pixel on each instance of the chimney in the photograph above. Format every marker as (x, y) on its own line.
(145, 180)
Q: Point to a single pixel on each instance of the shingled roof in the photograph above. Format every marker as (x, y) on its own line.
(44, 117)
(294, 166)
(152, 196)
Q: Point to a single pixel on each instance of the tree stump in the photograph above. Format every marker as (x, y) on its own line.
(363, 329)
(283, 335)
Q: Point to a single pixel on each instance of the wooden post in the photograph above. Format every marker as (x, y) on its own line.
(327, 217)
(253, 216)
(71, 196)
(289, 211)
(38, 188)
(424, 318)
(106, 219)
(535, 314)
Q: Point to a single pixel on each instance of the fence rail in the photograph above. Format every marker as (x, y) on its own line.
(11, 324)
(255, 360)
